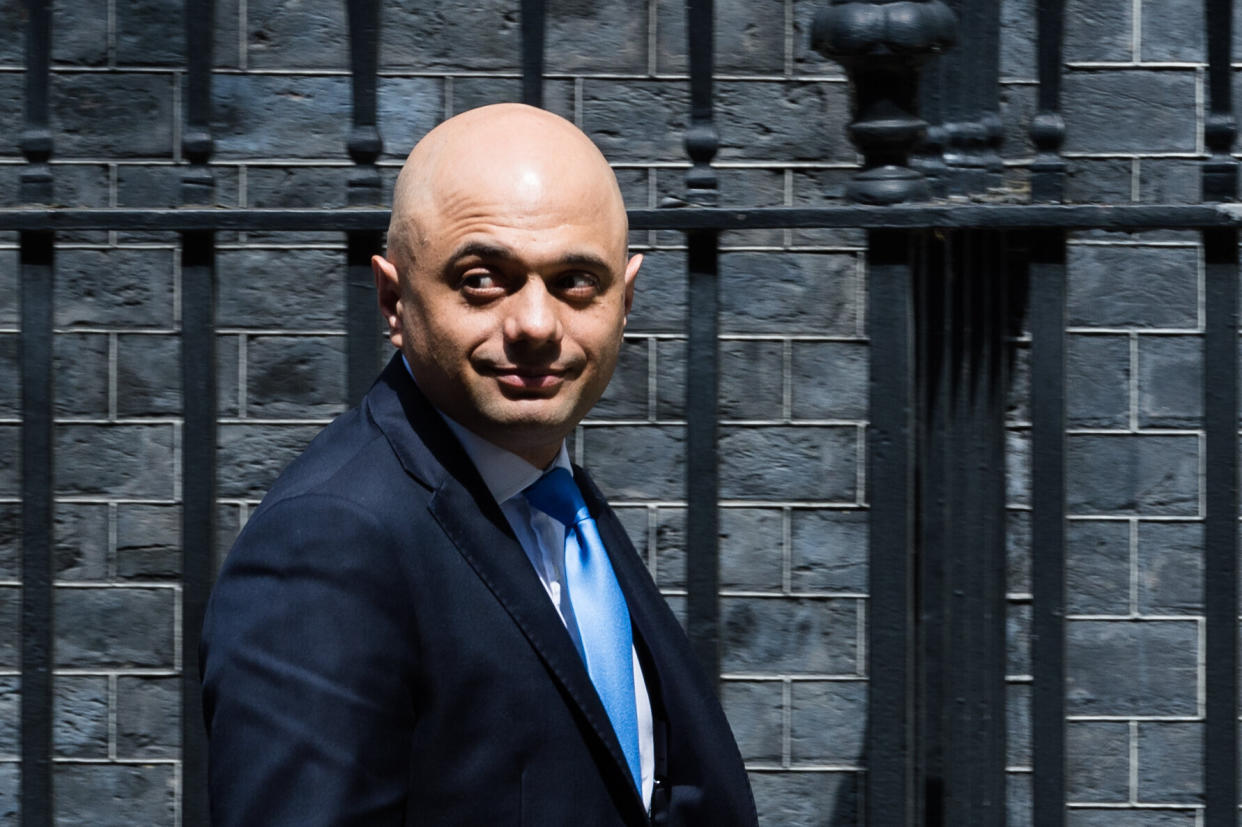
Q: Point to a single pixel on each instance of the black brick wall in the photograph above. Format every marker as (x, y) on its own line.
(794, 363)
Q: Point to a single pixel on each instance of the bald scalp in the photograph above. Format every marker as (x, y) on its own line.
(510, 151)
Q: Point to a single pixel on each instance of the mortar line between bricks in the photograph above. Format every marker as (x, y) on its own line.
(788, 31)
(1132, 760)
(807, 768)
(1136, 30)
(1017, 769)
(110, 45)
(1136, 431)
(1201, 668)
(103, 672)
(653, 37)
(1155, 65)
(125, 762)
(129, 585)
(1138, 805)
(112, 704)
(1149, 618)
(1132, 383)
(737, 423)
(786, 723)
(795, 595)
(1147, 719)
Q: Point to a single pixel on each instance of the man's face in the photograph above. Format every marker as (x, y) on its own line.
(512, 309)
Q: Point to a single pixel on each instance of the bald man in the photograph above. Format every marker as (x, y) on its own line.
(433, 618)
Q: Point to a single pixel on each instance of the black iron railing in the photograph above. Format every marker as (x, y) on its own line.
(947, 286)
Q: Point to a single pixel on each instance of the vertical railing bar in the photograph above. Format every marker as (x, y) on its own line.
(890, 749)
(198, 387)
(534, 23)
(1047, 324)
(702, 353)
(1048, 127)
(1220, 573)
(37, 271)
(364, 189)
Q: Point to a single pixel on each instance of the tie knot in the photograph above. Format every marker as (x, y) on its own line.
(557, 495)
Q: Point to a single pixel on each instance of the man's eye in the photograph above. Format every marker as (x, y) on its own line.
(578, 282)
(480, 281)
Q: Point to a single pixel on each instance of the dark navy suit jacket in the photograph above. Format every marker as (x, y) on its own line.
(378, 650)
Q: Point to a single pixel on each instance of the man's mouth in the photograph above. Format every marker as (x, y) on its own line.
(524, 378)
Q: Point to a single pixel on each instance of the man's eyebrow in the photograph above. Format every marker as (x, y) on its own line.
(498, 252)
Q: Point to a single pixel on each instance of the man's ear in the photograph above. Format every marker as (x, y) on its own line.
(631, 271)
(388, 292)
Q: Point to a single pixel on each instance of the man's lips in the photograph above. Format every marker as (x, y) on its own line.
(520, 377)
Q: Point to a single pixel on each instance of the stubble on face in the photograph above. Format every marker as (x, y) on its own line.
(509, 234)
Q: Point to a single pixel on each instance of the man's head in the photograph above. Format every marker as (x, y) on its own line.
(507, 283)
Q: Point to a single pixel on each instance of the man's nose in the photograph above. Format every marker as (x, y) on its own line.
(532, 314)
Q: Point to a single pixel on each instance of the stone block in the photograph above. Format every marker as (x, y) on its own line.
(79, 33)
(10, 715)
(114, 115)
(752, 379)
(1156, 475)
(1159, 659)
(1099, 110)
(1170, 762)
(626, 395)
(789, 293)
(789, 635)
(10, 460)
(1099, 180)
(250, 457)
(1017, 639)
(81, 541)
(148, 542)
(749, 37)
(608, 109)
(473, 92)
(1018, 799)
(1018, 552)
(149, 375)
(615, 31)
(152, 32)
(114, 460)
(10, 540)
(1097, 381)
(830, 380)
(751, 549)
(159, 185)
(114, 627)
(281, 289)
(1169, 181)
(80, 716)
(148, 717)
(295, 376)
(10, 644)
(1018, 105)
(116, 287)
(744, 187)
(116, 795)
(827, 722)
(1170, 386)
(670, 378)
(280, 116)
(637, 462)
(1018, 725)
(1097, 761)
(1017, 468)
(789, 799)
(1098, 30)
(829, 550)
(1127, 286)
(1170, 568)
(1133, 818)
(671, 548)
(415, 35)
(659, 294)
(1097, 563)
(781, 121)
(291, 34)
(80, 375)
(300, 186)
(408, 109)
(10, 793)
(789, 463)
(10, 376)
(1017, 46)
(1172, 31)
(756, 713)
(635, 522)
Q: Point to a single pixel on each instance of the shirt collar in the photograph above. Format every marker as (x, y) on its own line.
(504, 473)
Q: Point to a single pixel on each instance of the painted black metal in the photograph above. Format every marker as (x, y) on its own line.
(1047, 326)
(37, 270)
(38, 462)
(1220, 128)
(1220, 529)
(1111, 217)
(198, 387)
(890, 744)
(702, 355)
(365, 189)
(1048, 127)
(533, 26)
(883, 45)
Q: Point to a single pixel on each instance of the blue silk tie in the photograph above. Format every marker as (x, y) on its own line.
(599, 606)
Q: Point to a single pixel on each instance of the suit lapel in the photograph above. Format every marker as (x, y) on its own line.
(430, 453)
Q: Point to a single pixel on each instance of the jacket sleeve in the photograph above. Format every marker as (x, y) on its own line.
(307, 662)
